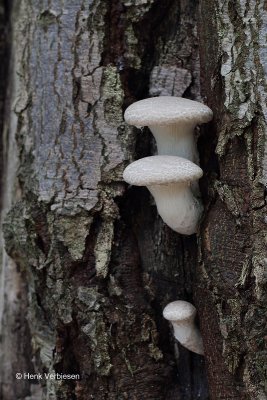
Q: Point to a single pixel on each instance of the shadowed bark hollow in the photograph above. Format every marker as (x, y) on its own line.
(91, 265)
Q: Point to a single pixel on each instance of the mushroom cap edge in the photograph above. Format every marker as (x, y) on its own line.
(161, 170)
(165, 110)
(179, 310)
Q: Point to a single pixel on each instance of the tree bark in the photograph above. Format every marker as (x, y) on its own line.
(92, 264)
(230, 291)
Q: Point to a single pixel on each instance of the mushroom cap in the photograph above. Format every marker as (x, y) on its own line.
(179, 311)
(161, 170)
(165, 110)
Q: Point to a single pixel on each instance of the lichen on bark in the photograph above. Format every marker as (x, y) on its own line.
(233, 250)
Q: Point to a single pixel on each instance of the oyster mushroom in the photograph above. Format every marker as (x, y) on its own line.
(168, 178)
(172, 121)
(182, 315)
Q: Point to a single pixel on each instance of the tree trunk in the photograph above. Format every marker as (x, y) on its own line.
(230, 291)
(91, 264)
(94, 264)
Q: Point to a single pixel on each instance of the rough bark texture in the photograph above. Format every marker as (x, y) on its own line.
(3, 74)
(231, 289)
(93, 265)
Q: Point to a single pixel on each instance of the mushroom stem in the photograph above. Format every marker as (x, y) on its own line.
(188, 335)
(176, 139)
(177, 206)
(182, 316)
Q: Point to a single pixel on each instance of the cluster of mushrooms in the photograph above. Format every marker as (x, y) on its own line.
(171, 177)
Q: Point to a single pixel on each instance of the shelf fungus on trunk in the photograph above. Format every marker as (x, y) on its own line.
(172, 120)
(182, 316)
(169, 180)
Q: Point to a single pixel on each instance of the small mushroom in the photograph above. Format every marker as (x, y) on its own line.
(168, 178)
(172, 121)
(182, 315)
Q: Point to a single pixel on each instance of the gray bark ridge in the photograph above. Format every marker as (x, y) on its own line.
(231, 288)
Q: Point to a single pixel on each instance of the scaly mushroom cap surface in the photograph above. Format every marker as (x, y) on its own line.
(165, 110)
(161, 170)
(179, 311)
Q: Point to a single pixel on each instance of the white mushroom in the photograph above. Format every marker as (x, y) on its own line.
(182, 315)
(168, 178)
(172, 121)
